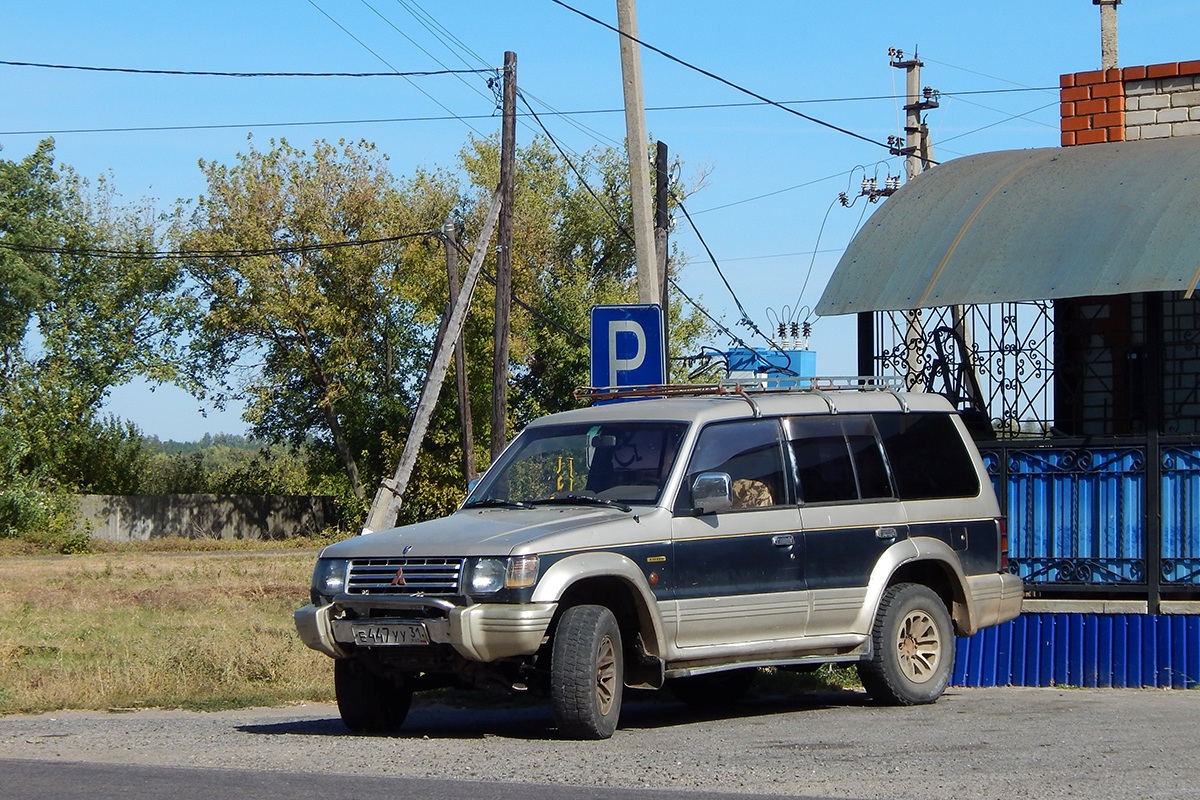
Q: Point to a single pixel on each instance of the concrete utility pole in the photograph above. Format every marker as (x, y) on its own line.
(385, 509)
(467, 432)
(916, 160)
(635, 145)
(1108, 32)
(508, 147)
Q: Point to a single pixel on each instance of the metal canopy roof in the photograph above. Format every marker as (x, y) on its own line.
(1039, 224)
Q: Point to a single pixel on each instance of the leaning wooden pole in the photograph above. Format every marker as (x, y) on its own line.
(385, 509)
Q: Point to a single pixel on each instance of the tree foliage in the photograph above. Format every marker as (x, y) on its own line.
(74, 323)
(338, 308)
(335, 330)
(312, 288)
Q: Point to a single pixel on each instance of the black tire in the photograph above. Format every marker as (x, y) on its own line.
(912, 648)
(714, 689)
(369, 702)
(587, 673)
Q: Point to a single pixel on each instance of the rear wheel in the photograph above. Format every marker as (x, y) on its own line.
(369, 702)
(912, 647)
(587, 673)
(714, 689)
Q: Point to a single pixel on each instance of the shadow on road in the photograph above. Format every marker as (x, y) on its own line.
(477, 715)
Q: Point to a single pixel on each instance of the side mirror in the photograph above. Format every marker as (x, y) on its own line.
(712, 492)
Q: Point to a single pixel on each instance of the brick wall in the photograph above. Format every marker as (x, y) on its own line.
(1130, 103)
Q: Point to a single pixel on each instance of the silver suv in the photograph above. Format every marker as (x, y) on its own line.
(679, 542)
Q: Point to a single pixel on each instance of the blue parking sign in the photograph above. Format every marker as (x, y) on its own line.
(627, 346)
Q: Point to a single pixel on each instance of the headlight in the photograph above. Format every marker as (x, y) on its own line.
(493, 574)
(488, 575)
(329, 577)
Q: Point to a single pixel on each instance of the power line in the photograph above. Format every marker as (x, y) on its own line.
(629, 236)
(448, 70)
(450, 118)
(772, 194)
(725, 81)
(363, 44)
(1009, 118)
(163, 255)
(490, 278)
(1022, 86)
(745, 320)
(215, 74)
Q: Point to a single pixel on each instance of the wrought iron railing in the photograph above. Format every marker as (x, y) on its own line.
(994, 362)
(1080, 516)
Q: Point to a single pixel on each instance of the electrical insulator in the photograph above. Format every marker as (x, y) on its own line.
(807, 330)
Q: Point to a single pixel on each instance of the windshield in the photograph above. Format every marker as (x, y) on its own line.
(622, 462)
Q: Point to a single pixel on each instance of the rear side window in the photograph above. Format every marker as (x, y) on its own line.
(927, 455)
(838, 459)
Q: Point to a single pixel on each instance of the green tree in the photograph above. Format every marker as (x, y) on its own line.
(340, 337)
(85, 312)
(572, 250)
(30, 224)
(337, 331)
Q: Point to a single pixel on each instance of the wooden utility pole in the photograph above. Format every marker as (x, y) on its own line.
(385, 509)
(508, 146)
(635, 146)
(467, 434)
(662, 224)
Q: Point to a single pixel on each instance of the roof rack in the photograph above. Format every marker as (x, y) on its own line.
(818, 385)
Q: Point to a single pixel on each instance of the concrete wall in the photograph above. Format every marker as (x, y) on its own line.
(202, 516)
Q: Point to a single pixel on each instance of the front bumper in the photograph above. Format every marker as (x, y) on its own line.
(483, 632)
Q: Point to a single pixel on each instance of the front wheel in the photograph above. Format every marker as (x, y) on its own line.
(587, 673)
(912, 651)
(369, 702)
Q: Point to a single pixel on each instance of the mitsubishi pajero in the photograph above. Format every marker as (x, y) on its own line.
(680, 542)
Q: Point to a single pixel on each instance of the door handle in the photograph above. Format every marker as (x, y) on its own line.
(885, 533)
(783, 540)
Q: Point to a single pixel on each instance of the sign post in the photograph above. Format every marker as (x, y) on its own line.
(627, 346)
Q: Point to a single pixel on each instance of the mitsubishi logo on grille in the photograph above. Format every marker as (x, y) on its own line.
(399, 579)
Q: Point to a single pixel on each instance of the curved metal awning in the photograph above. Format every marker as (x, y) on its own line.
(1039, 224)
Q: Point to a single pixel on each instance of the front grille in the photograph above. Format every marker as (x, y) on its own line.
(404, 576)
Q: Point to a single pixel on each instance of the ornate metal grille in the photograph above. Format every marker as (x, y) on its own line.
(994, 362)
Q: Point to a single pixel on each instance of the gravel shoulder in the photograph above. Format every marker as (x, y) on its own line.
(980, 743)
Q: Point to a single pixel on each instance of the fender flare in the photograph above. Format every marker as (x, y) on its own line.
(918, 549)
(568, 572)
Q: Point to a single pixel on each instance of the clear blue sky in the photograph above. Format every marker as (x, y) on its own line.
(770, 179)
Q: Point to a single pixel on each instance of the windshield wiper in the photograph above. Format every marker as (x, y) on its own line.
(581, 500)
(496, 502)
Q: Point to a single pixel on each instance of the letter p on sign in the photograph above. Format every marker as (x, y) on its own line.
(617, 364)
(627, 346)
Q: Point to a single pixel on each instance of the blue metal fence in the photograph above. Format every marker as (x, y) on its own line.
(1079, 515)
(1089, 650)
(1181, 515)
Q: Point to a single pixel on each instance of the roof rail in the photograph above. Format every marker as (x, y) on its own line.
(820, 385)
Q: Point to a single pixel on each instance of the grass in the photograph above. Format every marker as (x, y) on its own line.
(135, 628)
(176, 624)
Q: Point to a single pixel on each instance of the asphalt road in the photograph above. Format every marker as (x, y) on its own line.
(974, 743)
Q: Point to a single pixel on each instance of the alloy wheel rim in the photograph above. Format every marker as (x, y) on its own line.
(920, 646)
(606, 675)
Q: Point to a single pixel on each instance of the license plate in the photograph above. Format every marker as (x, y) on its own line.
(389, 635)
